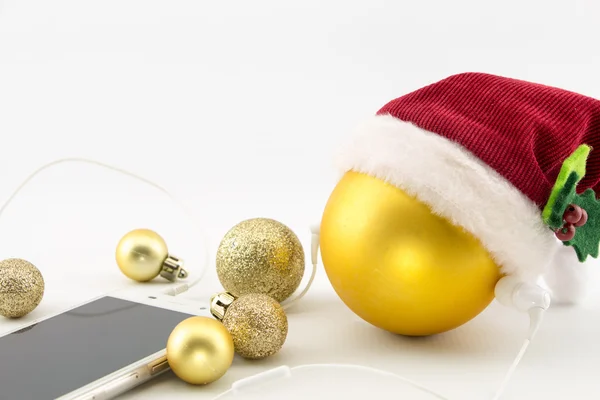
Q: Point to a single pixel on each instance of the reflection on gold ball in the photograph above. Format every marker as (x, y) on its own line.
(21, 287)
(260, 256)
(397, 265)
(200, 350)
(257, 324)
(140, 254)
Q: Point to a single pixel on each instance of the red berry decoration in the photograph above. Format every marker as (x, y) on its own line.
(583, 219)
(573, 214)
(565, 233)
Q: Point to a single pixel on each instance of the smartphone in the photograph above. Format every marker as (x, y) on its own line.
(94, 351)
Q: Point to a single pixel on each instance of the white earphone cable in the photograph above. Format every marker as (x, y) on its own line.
(288, 303)
(536, 315)
(176, 289)
(314, 255)
(277, 373)
(407, 381)
(248, 381)
(502, 388)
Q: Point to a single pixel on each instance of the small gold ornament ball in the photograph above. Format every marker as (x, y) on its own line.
(140, 254)
(200, 350)
(258, 325)
(21, 287)
(399, 266)
(260, 255)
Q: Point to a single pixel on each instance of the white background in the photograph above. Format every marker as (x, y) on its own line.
(238, 107)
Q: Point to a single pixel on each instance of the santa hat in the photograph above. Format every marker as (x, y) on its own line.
(502, 158)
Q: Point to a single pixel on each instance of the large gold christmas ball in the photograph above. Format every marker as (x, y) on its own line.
(397, 265)
(260, 255)
(258, 326)
(200, 350)
(21, 287)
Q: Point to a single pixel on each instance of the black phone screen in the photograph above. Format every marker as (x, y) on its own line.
(61, 354)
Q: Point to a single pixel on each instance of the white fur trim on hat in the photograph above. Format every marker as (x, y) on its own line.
(455, 185)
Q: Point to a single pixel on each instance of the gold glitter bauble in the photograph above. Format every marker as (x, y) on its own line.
(200, 350)
(257, 323)
(260, 255)
(21, 287)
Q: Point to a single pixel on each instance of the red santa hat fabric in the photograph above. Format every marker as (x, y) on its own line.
(484, 152)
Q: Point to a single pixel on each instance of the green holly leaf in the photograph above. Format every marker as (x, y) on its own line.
(587, 237)
(564, 190)
(586, 241)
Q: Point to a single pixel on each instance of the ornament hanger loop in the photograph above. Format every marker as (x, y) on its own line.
(184, 208)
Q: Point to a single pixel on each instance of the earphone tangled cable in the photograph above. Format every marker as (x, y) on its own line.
(536, 314)
(284, 371)
(175, 289)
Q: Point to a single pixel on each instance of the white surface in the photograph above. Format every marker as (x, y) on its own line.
(238, 107)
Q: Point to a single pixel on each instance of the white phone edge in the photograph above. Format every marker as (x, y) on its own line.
(140, 372)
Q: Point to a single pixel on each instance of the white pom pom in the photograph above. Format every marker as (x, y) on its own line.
(569, 280)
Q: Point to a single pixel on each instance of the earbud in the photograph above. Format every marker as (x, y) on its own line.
(512, 292)
(525, 297)
(142, 255)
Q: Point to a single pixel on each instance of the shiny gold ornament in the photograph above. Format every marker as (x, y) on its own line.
(397, 265)
(142, 255)
(21, 287)
(200, 350)
(257, 323)
(260, 255)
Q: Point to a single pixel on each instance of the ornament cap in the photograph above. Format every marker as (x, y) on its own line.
(172, 269)
(219, 304)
